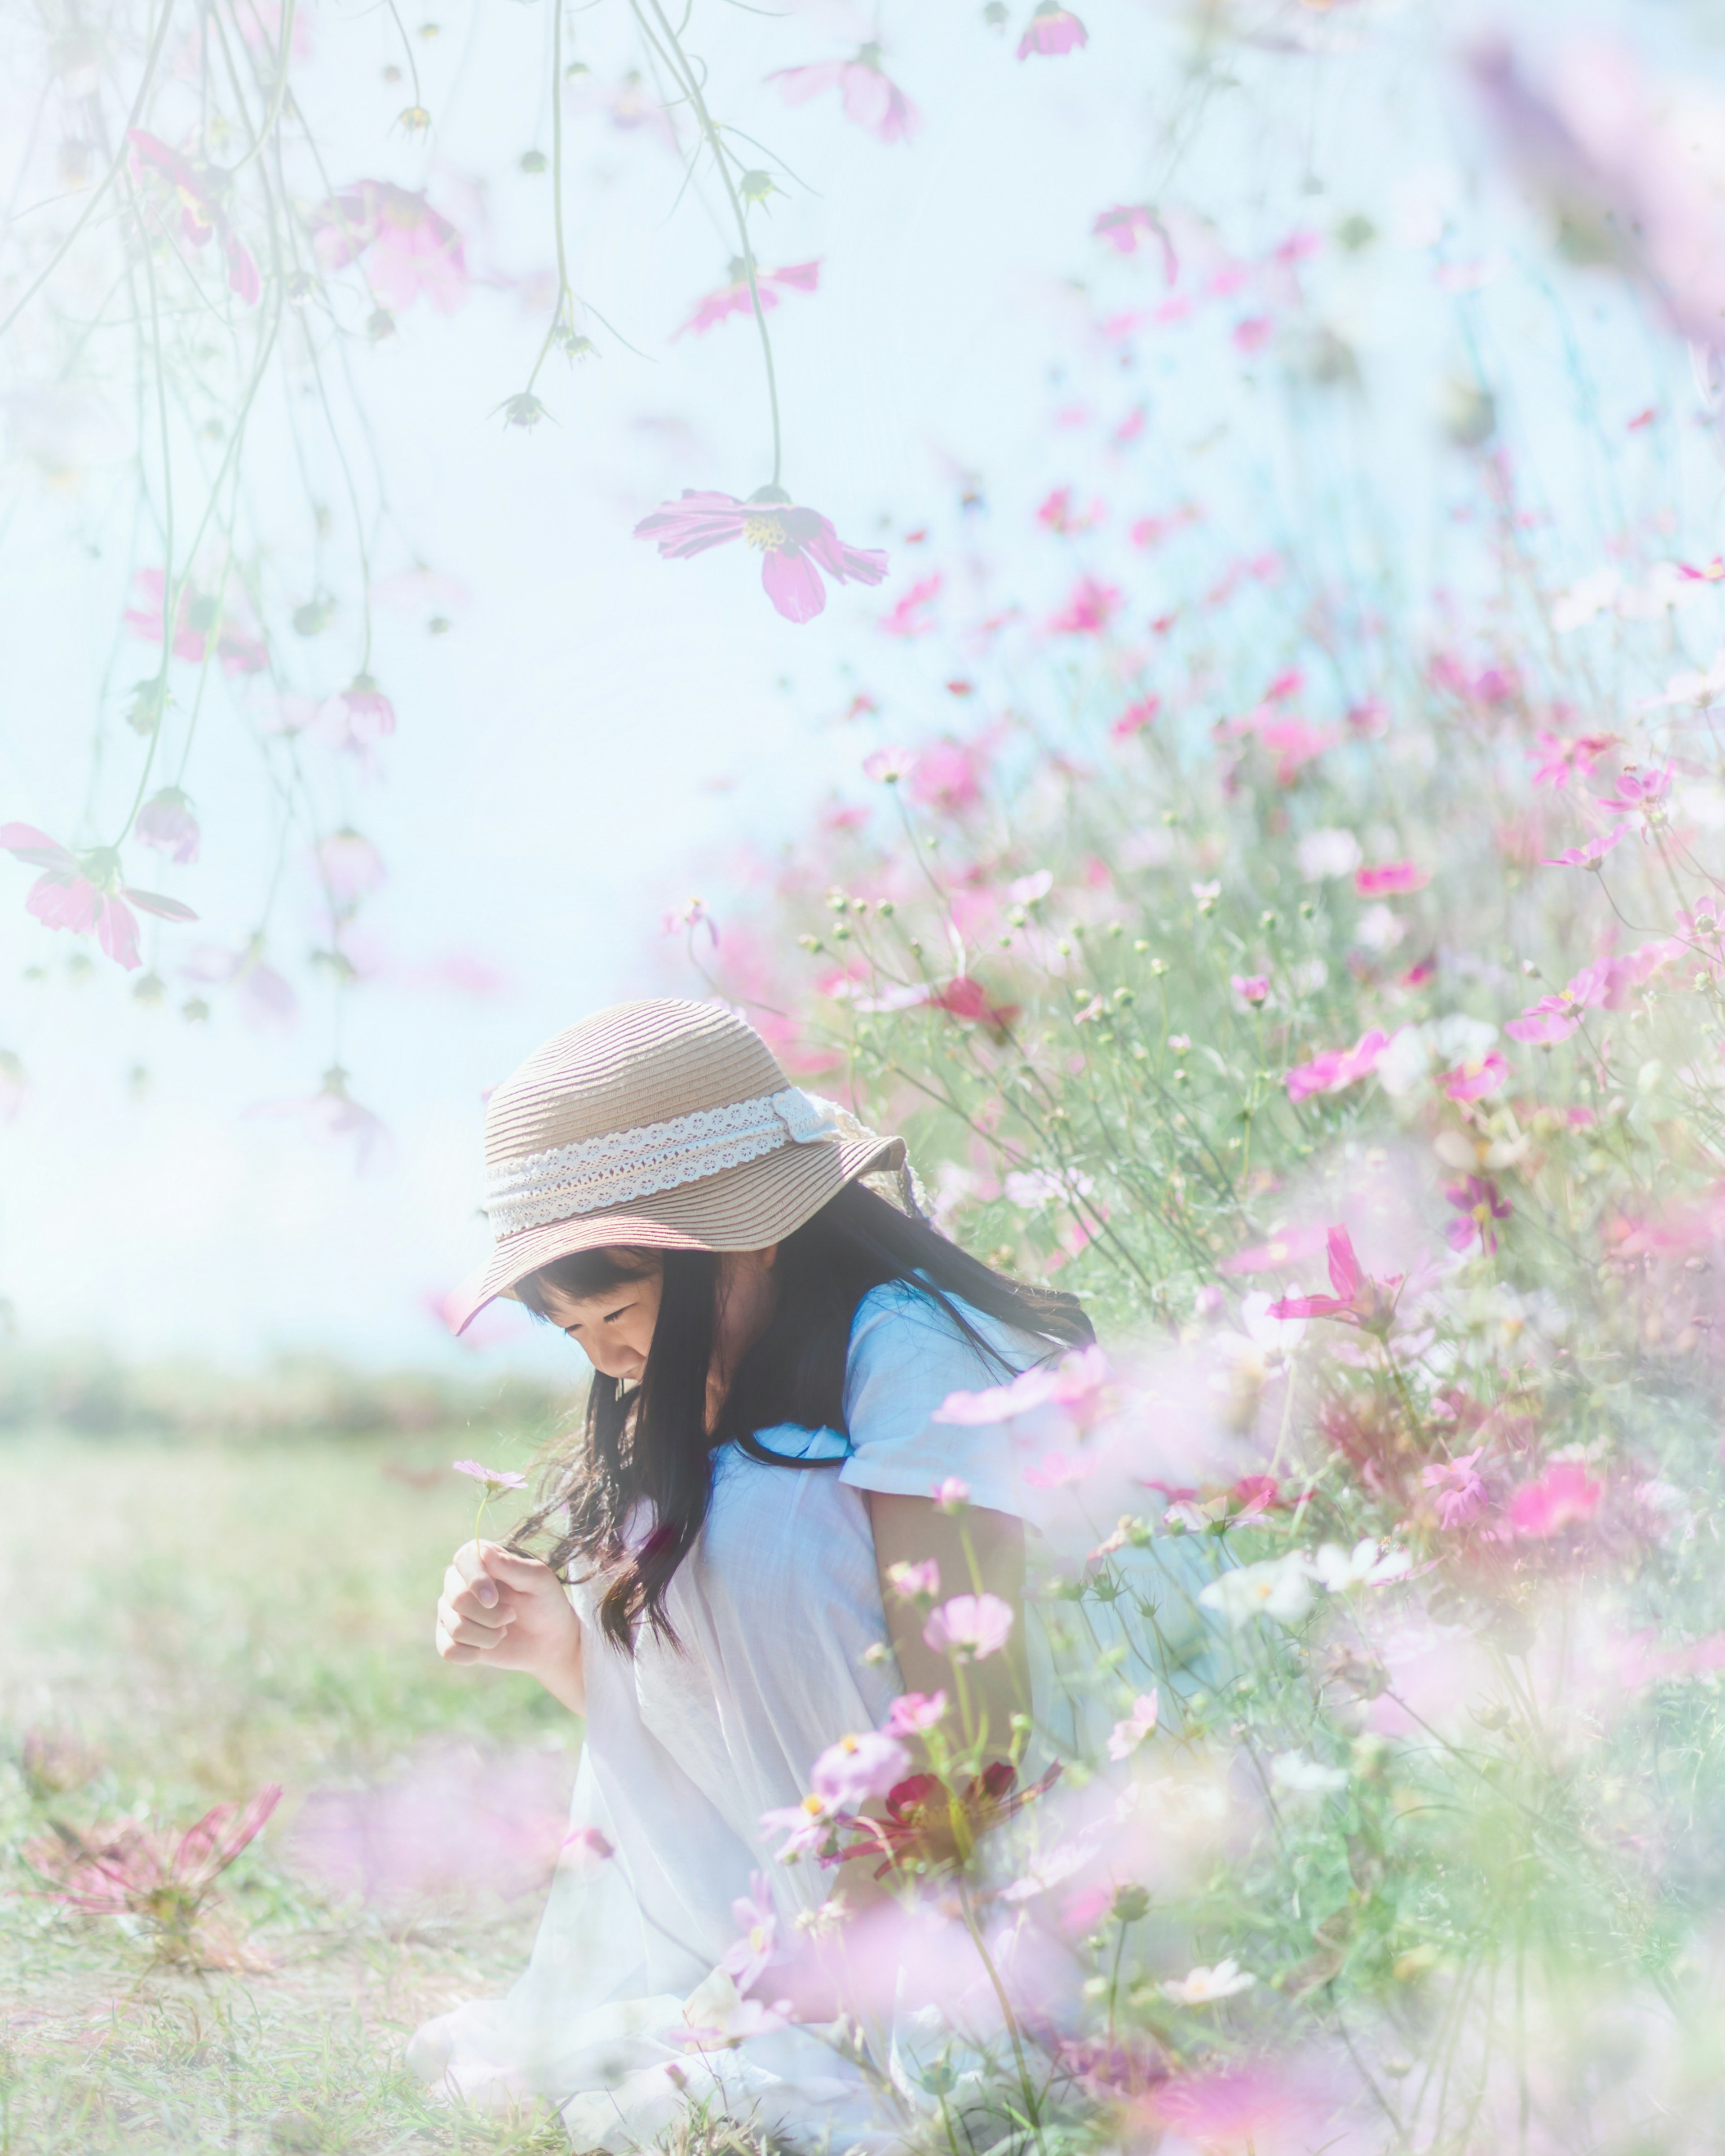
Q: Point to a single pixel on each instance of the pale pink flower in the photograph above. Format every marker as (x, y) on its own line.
(67, 894)
(1458, 1492)
(1278, 1253)
(496, 1480)
(1125, 1737)
(913, 1712)
(358, 718)
(333, 1115)
(1052, 29)
(411, 251)
(1232, 2112)
(1388, 878)
(1123, 226)
(150, 1872)
(795, 544)
(266, 999)
(806, 1826)
(350, 865)
(1358, 1300)
(1253, 988)
(909, 615)
(1090, 606)
(1565, 1496)
(750, 1956)
(951, 1494)
(1557, 760)
(1075, 1381)
(949, 775)
(1636, 790)
(889, 766)
(871, 99)
(1587, 856)
(201, 192)
(1205, 1987)
(1338, 1068)
(1060, 1471)
(735, 298)
(199, 618)
(166, 823)
(1133, 720)
(848, 1773)
(920, 1582)
(970, 1627)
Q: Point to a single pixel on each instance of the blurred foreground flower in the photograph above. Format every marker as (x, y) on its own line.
(871, 99)
(797, 544)
(82, 892)
(202, 192)
(1052, 29)
(736, 298)
(1358, 1300)
(333, 1114)
(412, 252)
(164, 1879)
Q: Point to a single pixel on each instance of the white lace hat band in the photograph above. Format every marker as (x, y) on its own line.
(661, 1125)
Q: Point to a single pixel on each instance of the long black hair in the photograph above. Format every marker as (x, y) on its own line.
(655, 1442)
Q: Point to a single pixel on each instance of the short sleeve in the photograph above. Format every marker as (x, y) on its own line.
(906, 1356)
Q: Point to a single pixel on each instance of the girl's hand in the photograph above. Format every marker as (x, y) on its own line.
(511, 1612)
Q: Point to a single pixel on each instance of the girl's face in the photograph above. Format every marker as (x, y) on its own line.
(614, 1330)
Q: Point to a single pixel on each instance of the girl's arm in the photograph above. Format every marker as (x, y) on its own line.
(511, 1612)
(978, 1553)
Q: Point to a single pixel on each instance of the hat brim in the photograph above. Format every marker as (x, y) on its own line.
(740, 1208)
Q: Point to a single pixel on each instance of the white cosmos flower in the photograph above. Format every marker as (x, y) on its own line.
(1301, 1777)
(1370, 1564)
(1280, 1587)
(1203, 1987)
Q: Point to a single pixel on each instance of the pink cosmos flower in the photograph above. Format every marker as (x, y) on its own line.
(871, 99)
(1280, 1251)
(1473, 1081)
(1233, 2111)
(1637, 790)
(970, 1627)
(1058, 512)
(1052, 29)
(1606, 984)
(1253, 988)
(735, 298)
(1124, 226)
(913, 1712)
(1090, 607)
(266, 999)
(889, 766)
(1389, 877)
(495, 1479)
(1479, 1202)
(949, 775)
(749, 1957)
(807, 1827)
(1457, 1489)
(201, 191)
(350, 865)
(1358, 1300)
(357, 718)
(848, 1773)
(411, 251)
(951, 1494)
(83, 893)
(967, 999)
(1590, 855)
(1135, 718)
(333, 1114)
(1338, 1068)
(197, 619)
(1074, 1383)
(1558, 759)
(152, 1872)
(1060, 1471)
(909, 615)
(795, 544)
(1565, 1496)
(920, 1582)
(166, 823)
(1125, 1737)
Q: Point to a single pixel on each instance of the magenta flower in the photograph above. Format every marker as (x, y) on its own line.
(83, 892)
(1559, 759)
(1587, 856)
(1338, 1068)
(951, 1494)
(1388, 878)
(1457, 1492)
(1566, 1496)
(848, 1773)
(969, 1000)
(1473, 1081)
(970, 1627)
(735, 298)
(1606, 984)
(1637, 790)
(412, 252)
(1052, 29)
(913, 1712)
(201, 192)
(1479, 1203)
(871, 99)
(796, 544)
(197, 619)
(1089, 608)
(1253, 988)
(1358, 1300)
(166, 823)
(1135, 718)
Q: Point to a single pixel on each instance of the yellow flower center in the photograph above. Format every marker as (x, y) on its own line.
(764, 528)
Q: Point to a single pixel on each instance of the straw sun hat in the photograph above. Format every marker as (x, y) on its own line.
(664, 1124)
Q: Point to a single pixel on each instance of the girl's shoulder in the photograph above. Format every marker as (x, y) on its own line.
(899, 1325)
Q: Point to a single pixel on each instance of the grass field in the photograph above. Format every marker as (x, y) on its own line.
(184, 1621)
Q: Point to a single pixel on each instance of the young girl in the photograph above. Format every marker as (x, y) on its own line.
(770, 1339)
